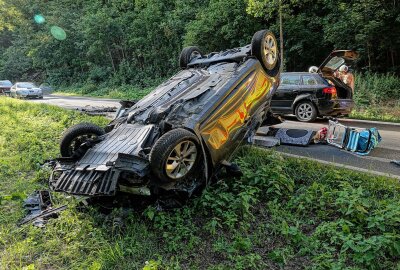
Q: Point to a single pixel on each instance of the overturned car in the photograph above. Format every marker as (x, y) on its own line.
(179, 135)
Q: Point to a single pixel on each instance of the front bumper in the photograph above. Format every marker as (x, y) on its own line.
(335, 107)
(31, 96)
(97, 181)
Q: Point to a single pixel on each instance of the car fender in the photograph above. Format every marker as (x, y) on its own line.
(310, 97)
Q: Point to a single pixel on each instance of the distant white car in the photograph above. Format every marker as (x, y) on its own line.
(26, 90)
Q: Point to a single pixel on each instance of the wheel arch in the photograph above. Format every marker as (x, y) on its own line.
(206, 155)
(304, 97)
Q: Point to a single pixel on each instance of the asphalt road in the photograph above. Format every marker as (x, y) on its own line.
(377, 162)
(78, 103)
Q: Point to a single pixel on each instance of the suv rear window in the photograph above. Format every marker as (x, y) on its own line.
(309, 80)
(290, 80)
(335, 63)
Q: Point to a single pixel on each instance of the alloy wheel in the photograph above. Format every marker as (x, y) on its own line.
(181, 159)
(305, 111)
(270, 50)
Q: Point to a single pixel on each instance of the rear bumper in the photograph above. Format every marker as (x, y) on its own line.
(335, 107)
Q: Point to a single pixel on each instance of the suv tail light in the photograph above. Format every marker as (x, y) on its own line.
(329, 90)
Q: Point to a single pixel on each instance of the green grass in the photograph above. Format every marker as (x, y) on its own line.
(385, 113)
(127, 92)
(283, 213)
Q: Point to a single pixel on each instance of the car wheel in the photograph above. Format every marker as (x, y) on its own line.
(188, 54)
(264, 47)
(175, 156)
(305, 111)
(76, 135)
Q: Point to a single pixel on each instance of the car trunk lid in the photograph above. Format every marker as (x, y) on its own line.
(335, 60)
(331, 64)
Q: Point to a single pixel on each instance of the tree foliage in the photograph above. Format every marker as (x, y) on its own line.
(314, 27)
(138, 42)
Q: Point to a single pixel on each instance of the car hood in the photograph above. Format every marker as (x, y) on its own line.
(336, 59)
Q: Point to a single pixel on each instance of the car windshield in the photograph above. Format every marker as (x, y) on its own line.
(5, 83)
(26, 85)
(335, 63)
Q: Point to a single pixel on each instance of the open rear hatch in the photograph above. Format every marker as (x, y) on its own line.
(337, 59)
(332, 63)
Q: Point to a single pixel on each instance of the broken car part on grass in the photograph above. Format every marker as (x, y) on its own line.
(182, 133)
(39, 208)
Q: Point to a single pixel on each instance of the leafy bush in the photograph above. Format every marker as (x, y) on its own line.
(373, 89)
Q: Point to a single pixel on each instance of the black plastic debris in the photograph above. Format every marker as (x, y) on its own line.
(39, 209)
(396, 162)
(91, 110)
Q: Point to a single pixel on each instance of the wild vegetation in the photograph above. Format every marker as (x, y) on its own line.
(283, 213)
(137, 42)
(122, 48)
(377, 97)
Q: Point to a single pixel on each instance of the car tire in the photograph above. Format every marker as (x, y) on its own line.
(175, 156)
(306, 111)
(188, 54)
(76, 135)
(264, 47)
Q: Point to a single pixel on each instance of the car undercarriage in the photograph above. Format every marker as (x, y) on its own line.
(179, 135)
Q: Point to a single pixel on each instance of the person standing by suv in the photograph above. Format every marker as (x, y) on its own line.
(346, 76)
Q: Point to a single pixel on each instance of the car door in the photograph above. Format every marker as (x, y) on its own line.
(286, 93)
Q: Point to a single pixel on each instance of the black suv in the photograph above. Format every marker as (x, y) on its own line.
(309, 95)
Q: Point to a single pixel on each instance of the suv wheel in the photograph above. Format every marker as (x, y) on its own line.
(306, 111)
(188, 54)
(76, 135)
(264, 47)
(175, 155)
